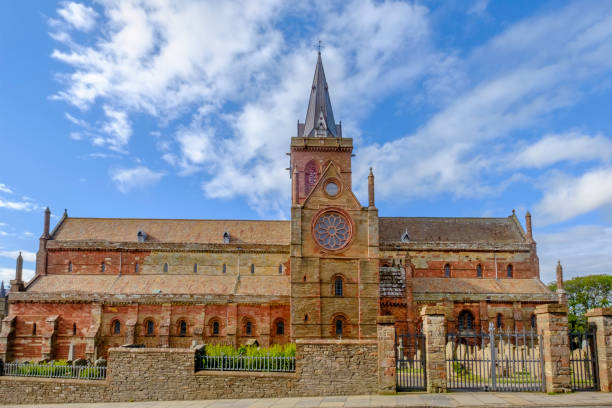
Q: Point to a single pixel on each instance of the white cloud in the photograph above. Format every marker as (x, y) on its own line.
(79, 16)
(566, 197)
(149, 57)
(514, 85)
(135, 178)
(572, 147)
(7, 274)
(4, 189)
(117, 128)
(582, 250)
(76, 121)
(27, 255)
(18, 205)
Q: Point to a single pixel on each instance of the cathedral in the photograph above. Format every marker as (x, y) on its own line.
(328, 272)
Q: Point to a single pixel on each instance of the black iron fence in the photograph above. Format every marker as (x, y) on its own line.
(54, 371)
(494, 361)
(583, 361)
(410, 361)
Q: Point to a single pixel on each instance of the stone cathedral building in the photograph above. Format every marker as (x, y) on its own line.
(327, 272)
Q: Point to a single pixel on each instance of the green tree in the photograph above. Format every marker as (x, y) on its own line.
(584, 293)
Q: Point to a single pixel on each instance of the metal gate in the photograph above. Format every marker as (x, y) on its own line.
(494, 361)
(410, 361)
(583, 361)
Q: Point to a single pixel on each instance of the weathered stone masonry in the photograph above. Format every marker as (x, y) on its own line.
(323, 367)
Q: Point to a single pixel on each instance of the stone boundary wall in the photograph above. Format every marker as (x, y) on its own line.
(323, 367)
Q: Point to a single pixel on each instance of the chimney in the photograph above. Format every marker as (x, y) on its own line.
(371, 189)
(17, 283)
(295, 186)
(47, 223)
(528, 226)
(560, 291)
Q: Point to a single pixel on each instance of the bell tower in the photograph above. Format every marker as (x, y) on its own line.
(319, 141)
(334, 239)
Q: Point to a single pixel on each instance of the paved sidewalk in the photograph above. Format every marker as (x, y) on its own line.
(457, 399)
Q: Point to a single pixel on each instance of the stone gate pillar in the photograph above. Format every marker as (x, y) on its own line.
(552, 325)
(601, 318)
(386, 354)
(434, 328)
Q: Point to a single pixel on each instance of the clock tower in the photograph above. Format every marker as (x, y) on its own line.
(334, 240)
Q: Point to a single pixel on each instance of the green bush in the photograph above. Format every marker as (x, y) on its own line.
(90, 372)
(218, 357)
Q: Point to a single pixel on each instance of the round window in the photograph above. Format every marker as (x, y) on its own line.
(331, 188)
(332, 231)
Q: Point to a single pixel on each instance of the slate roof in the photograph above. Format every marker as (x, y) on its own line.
(319, 104)
(392, 281)
(479, 286)
(142, 284)
(173, 231)
(460, 230)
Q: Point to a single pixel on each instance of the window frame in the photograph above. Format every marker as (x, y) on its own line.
(509, 271)
(182, 323)
(339, 286)
(116, 327)
(280, 323)
(466, 320)
(479, 271)
(447, 270)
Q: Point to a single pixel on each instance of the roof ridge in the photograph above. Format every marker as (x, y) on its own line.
(447, 218)
(171, 219)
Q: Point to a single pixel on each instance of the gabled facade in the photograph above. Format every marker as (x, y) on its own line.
(327, 272)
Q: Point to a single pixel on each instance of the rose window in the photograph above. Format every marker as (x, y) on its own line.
(332, 231)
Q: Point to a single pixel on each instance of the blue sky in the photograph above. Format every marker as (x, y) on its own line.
(185, 109)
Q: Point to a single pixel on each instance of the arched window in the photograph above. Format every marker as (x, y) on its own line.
(34, 329)
(195, 268)
(447, 270)
(136, 267)
(280, 269)
(479, 271)
(509, 271)
(150, 327)
(182, 328)
(338, 287)
(248, 328)
(533, 322)
(310, 176)
(499, 321)
(103, 267)
(280, 328)
(215, 328)
(224, 268)
(166, 268)
(70, 267)
(116, 327)
(466, 320)
(339, 327)
(74, 329)
(252, 268)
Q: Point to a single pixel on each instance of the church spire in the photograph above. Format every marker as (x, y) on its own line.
(320, 116)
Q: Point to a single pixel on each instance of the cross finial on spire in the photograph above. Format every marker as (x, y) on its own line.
(319, 46)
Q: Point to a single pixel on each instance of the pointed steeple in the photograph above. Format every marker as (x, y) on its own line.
(320, 116)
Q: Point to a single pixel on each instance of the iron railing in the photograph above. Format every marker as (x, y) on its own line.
(246, 363)
(583, 361)
(54, 371)
(410, 361)
(502, 361)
